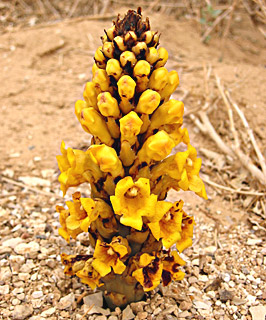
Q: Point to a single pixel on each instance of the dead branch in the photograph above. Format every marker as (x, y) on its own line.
(24, 186)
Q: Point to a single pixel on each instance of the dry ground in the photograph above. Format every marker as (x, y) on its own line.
(44, 69)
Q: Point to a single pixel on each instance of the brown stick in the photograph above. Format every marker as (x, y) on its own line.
(22, 185)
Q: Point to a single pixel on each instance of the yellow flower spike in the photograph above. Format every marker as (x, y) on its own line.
(132, 200)
(108, 105)
(128, 58)
(90, 95)
(101, 80)
(140, 49)
(107, 159)
(152, 56)
(171, 265)
(113, 68)
(149, 276)
(169, 112)
(99, 58)
(111, 33)
(186, 234)
(108, 256)
(113, 127)
(158, 79)
(169, 225)
(89, 275)
(127, 155)
(108, 49)
(156, 148)
(126, 87)
(119, 43)
(148, 102)
(163, 57)
(173, 83)
(130, 126)
(94, 124)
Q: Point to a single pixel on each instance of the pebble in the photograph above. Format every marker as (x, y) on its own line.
(226, 295)
(201, 304)
(12, 243)
(258, 312)
(66, 302)
(22, 311)
(127, 313)
(95, 299)
(185, 305)
(37, 294)
(4, 289)
(27, 248)
(253, 242)
(35, 181)
(101, 318)
(48, 312)
(113, 318)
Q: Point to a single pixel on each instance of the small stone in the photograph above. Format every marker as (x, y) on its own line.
(211, 294)
(21, 296)
(4, 289)
(12, 243)
(27, 248)
(112, 318)
(226, 277)
(127, 313)
(66, 301)
(142, 315)
(15, 302)
(157, 311)
(36, 294)
(253, 242)
(210, 250)
(48, 312)
(258, 312)
(226, 295)
(201, 304)
(95, 299)
(203, 278)
(22, 311)
(185, 305)
(101, 318)
(137, 306)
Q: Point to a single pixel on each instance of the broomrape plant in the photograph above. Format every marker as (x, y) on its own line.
(134, 126)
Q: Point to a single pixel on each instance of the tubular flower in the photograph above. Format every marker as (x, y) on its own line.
(132, 200)
(186, 234)
(189, 166)
(108, 256)
(169, 226)
(149, 271)
(171, 265)
(130, 164)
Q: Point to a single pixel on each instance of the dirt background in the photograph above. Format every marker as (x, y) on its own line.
(46, 58)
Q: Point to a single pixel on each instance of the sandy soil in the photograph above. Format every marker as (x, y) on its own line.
(44, 69)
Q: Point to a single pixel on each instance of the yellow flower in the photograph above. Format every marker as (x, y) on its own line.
(189, 166)
(81, 266)
(89, 275)
(132, 200)
(64, 232)
(186, 234)
(107, 159)
(108, 256)
(168, 226)
(76, 167)
(149, 271)
(171, 270)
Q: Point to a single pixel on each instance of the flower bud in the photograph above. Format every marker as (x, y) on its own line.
(119, 43)
(173, 82)
(108, 49)
(158, 79)
(140, 49)
(142, 69)
(148, 102)
(113, 68)
(90, 95)
(111, 33)
(152, 56)
(163, 56)
(126, 87)
(101, 80)
(93, 123)
(100, 58)
(108, 105)
(128, 58)
(130, 126)
(79, 106)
